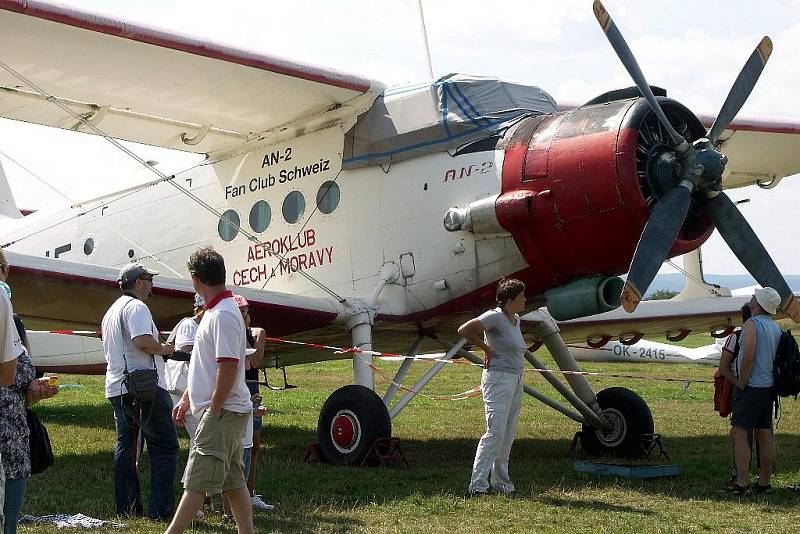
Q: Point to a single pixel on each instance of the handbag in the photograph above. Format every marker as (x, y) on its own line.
(40, 449)
(142, 384)
(723, 391)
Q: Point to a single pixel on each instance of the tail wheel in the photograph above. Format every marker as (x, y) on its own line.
(351, 420)
(627, 417)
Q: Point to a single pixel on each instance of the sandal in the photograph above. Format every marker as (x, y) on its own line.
(763, 489)
(736, 489)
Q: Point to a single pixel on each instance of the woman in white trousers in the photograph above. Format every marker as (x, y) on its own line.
(498, 333)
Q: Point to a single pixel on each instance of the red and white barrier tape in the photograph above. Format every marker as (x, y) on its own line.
(391, 356)
(67, 332)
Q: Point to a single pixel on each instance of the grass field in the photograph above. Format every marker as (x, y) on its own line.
(440, 437)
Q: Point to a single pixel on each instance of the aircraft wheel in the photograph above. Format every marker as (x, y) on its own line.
(351, 420)
(628, 416)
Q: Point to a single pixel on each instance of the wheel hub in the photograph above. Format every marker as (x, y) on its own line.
(615, 428)
(345, 431)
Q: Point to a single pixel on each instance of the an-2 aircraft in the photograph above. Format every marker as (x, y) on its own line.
(356, 215)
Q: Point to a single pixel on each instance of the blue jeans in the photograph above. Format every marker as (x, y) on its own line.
(15, 495)
(247, 459)
(155, 421)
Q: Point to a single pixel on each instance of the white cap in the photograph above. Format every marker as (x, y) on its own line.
(768, 298)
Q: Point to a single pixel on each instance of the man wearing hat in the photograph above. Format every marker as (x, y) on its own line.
(130, 342)
(753, 395)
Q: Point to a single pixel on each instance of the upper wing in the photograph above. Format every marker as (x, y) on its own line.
(670, 318)
(155, 87)
(53, 293)
(759, 151)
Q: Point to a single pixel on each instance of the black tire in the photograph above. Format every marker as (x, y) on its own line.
(351, 420)
(630, 418)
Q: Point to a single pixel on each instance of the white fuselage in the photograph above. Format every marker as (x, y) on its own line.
(383, 216)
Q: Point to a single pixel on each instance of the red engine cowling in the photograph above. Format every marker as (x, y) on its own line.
(576, 192)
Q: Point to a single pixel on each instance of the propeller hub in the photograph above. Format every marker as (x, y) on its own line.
(713, 164)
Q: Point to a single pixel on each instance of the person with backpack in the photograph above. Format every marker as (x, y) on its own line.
(754, 393)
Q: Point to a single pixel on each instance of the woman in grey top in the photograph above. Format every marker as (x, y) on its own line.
(501, 384)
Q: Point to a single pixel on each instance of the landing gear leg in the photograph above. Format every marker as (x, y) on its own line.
(624, 416)
(354, 417)
(361, 332)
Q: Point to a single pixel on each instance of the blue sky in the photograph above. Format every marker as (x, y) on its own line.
(693, 49)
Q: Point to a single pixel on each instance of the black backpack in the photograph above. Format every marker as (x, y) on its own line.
(786, 368)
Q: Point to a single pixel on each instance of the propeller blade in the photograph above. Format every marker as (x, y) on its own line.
(744, 243)
(655, 243)
(629, 62)
(741, 88)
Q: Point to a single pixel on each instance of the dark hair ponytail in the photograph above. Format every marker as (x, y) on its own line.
(508, 289)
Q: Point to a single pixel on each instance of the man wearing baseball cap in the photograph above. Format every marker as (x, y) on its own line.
(130, 342)
(753, 397)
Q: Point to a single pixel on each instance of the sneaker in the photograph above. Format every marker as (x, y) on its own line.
(258, 504)
(477, 493)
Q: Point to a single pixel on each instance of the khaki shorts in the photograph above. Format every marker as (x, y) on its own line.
(215, 463)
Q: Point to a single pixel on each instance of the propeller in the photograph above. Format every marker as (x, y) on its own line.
(741, 89)
(629, 62)
(655, 242)
(744, 243)
(701, 167)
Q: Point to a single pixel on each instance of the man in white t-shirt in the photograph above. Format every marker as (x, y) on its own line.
(218, 397)
(130, 342)
(10, 349)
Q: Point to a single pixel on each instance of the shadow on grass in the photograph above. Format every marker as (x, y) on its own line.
(81, 415)
(594, 505)
(82, 483)
(319, 497)
(442, 467)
